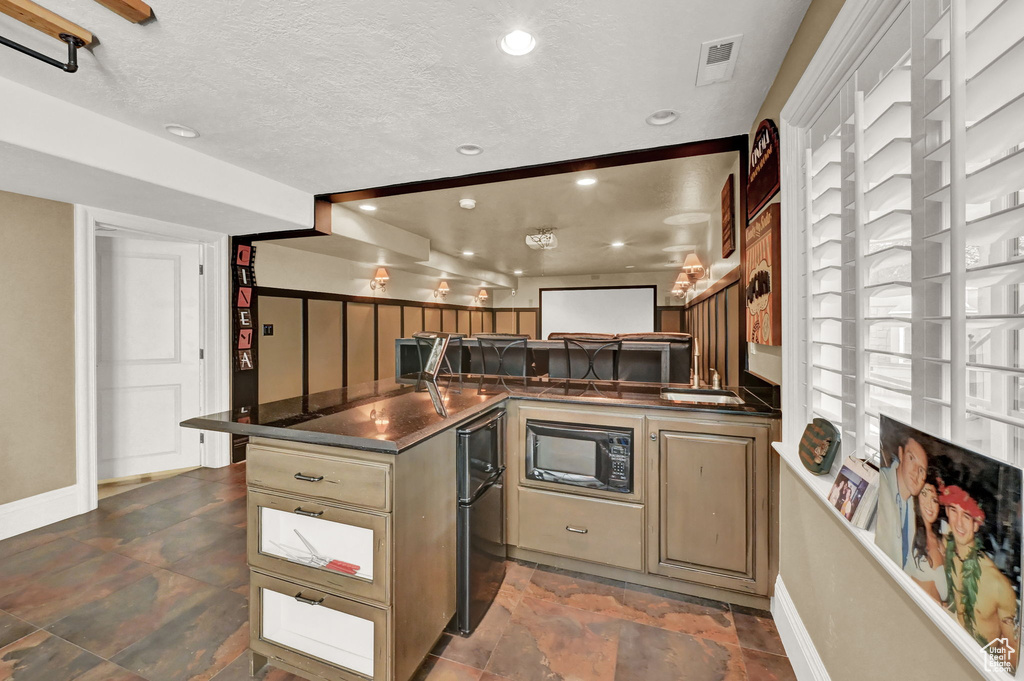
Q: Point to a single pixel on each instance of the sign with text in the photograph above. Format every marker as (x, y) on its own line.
(728, 220)
(762, 277)
(243, 267)
(763, 182)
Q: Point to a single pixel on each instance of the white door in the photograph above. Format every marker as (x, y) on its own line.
(148, 365)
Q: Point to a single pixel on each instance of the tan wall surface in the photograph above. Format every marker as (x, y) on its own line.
(359, 344)
(413, 320)
(37, 344)
(432, 319)
(863, 625)
(389, 328)
(506, 321)
(325, 345)
(280, 355)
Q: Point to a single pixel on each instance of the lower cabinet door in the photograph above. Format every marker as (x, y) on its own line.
(342, 550)
(317, 632)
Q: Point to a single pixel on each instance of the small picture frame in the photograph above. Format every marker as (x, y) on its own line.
(819, 446)
(438, 344)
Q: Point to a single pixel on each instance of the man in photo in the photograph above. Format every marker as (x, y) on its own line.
(981, 596)
(901, 481)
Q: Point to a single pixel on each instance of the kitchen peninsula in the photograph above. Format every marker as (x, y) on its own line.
(365, 477)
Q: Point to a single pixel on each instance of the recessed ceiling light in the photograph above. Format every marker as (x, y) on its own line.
(662, 117)
(629, 267)
(181, 130)
(368, 207)
(517, 271)
(468, 204)
(586, 181)
(517, 43)
(618, 244)
(468, 253)
(469, 149)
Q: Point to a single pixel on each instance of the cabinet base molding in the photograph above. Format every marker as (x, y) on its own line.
(654, 581)
(807, 665)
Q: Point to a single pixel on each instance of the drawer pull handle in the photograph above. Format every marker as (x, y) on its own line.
(307, 601)
(308, 478)
(577, 530)
(311, 514)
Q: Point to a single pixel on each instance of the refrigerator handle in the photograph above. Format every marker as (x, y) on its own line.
(487, 484)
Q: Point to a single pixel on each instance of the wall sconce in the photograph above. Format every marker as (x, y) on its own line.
(442, 291)
(693, 269)
(380, 280)
(681, 286)
(481, 297)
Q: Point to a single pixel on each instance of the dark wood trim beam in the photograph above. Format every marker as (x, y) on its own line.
(728, 280)
(322, 216)
(702, 148)
(369, 300)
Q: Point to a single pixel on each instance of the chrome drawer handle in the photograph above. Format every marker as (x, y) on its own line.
(577, 530)
(311, 514)
(307, 478)
(307, 601)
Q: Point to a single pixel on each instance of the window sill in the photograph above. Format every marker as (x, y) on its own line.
(820, 487)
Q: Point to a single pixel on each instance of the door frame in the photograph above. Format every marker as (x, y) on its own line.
(215, 373)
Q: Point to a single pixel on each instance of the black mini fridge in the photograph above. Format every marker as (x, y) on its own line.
(481, 517)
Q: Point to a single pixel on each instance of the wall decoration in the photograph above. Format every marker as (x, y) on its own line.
(728, 219)
(819, 445)
(762, 277)
(951, 519)
(763, 181)
(243, 268)
(855, 491)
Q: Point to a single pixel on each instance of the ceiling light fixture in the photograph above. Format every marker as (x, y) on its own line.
(517, 271)
(586, 181)
(469, 149)
(662, 117)
(517, 43)
(468, 253)
(618, 244)
(693, 268)
(544, 240)
(380, 280)
(481, 297)
(442, 291)
(629, 267)
(368, 207)
(181, 130)
(468, 204)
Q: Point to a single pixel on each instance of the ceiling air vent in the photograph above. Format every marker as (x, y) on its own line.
(718, 59)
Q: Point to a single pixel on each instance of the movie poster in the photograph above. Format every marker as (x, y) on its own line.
(762, 277)
(763, 182)
(951, 519)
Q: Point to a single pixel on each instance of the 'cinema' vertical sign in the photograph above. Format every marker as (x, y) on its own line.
(244, 274)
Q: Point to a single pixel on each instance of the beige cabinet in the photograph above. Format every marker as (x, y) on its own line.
(708, 510)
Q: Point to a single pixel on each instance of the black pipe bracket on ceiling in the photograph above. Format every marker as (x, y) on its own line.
(74, 42)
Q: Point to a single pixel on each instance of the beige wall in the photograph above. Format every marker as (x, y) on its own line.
(37, 346)
(863, 624)
(280, 355)
(766, 360)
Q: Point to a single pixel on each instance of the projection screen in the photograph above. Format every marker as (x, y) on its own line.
(628, 309)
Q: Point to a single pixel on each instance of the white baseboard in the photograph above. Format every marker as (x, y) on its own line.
(38, 511)
(807, 665)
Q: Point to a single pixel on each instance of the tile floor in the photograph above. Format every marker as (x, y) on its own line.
(152, 586)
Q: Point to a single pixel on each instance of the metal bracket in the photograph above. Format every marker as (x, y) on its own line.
(74, 42)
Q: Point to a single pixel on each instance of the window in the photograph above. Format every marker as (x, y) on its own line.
(913, 233)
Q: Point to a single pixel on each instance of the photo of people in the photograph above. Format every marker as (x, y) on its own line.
(951, 519)
(847, 492)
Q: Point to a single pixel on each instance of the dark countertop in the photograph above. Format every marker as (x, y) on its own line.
(393, 415)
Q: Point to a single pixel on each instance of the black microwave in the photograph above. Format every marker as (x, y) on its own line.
(595, 457)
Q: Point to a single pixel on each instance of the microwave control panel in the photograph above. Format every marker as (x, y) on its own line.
(620, 456)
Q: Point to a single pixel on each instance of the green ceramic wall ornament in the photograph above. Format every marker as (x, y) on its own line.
(819, 446)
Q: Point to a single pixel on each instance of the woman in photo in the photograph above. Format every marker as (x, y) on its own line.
(848, 504)
(928, 551)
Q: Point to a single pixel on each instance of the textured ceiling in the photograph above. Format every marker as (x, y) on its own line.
(628, 203)
(333, 96)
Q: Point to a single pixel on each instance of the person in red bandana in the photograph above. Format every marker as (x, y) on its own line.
(981, 598)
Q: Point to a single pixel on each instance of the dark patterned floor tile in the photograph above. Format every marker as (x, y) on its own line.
(239, 671)
(12, 628)
(437, 669)
(108, 671)
(62, 528)
(195, 645)
(767, 667)
(206, 497)
(47, 598)
(109, 625)
(234, 513)
(158, 491)
(23, 567)
(577, 590)
(42, 657)
(235, 473)
(475, 650)
(676, 612)
(112, 533)
(545, 640)
(169, 545)
(517, 577)
(223, 564)
(493, 677)
(647, 653)
(756, 629)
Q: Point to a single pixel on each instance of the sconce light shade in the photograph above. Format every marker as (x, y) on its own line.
(482, 295)
(442, 290)
(381, 274)
(380, 279)
(681, 278)
(692, 267)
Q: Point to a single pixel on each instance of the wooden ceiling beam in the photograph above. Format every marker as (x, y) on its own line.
(43, 19)
(132, 10)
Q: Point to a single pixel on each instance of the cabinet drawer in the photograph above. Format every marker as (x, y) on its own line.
(589, 529)
(352, 547)
(317, 632)
(346, 481)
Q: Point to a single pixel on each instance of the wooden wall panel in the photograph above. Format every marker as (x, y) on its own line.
(324, 345)
(463, 322)
(721, 332)
(389, 328)
(714, 321)
(431, 319)
(732, 337)
(449, 321)
(412, 320)
(671, 320)
(476, 321)
(528, 323)
(280, 359)
(359, 342)
(505, 321)
(488, 322)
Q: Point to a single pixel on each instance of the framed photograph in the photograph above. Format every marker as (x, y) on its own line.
(436, 344)
(951, 519)
(855, 491)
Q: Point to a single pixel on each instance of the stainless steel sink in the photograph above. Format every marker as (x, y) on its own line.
(701, 397)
